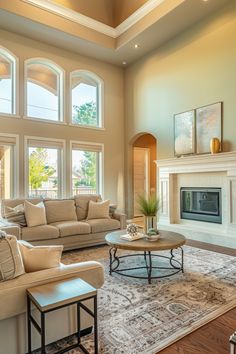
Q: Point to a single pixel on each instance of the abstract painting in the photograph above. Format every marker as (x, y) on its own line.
(208, 126)
(184, 133)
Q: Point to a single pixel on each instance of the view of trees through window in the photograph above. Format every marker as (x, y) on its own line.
(43, 172)
(84, 105)
(84, 172)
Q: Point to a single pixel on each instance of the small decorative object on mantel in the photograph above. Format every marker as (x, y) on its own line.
(149, 207)
(215, 146)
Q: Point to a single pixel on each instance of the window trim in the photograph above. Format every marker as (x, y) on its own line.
(15, 179)
(61, 164)
(61, 96)
(15, 82)
(100, 167)
(100, 98)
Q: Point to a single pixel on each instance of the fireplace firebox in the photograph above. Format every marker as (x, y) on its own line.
(202, 204)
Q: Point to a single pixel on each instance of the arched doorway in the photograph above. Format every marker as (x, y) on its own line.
(144, 168)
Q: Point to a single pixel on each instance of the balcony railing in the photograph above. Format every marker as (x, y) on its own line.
(53, 193)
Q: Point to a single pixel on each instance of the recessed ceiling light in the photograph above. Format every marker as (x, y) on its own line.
(136, 46)
(124, 62)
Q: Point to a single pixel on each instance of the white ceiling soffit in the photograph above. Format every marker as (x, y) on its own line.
(86, 21)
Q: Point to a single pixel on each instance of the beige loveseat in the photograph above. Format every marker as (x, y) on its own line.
(60, 323)
(67, 224)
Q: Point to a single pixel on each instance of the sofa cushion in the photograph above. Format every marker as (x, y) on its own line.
(35, 214)
(98, 210)
(42, 232)
(11, 264)
(69, 228)
(82, 202)
(60, 210)
(101, 225)
(40, 257)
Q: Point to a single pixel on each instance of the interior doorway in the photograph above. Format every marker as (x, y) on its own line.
(144, 168)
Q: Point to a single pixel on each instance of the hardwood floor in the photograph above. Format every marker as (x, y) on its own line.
(213, 338)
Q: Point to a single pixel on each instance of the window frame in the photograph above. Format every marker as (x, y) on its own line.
(61, 92)
(100, 98)
(100, 164)
(61, 164)
(15, 82)
(15, 163)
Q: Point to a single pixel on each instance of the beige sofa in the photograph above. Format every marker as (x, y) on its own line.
(67, 224)
(61, 323)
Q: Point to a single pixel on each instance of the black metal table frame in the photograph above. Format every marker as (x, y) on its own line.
(177, 265)
(41, 330)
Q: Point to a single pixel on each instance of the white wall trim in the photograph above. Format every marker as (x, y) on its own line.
(98, 26)
(137, 16)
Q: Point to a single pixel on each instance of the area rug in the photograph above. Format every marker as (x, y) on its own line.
(136, 318)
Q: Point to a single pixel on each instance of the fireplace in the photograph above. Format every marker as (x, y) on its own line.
(202, 204)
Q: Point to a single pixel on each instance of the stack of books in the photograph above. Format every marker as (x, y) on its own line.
(128, 237)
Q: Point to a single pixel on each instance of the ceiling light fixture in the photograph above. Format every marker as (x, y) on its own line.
(136, 46)
(124, 62)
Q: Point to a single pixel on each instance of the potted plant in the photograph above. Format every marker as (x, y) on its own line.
(149, 207)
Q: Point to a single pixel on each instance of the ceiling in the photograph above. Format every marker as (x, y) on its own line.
(105, 29)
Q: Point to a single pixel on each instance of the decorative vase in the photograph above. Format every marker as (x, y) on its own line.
(215, 145)
(150, 222)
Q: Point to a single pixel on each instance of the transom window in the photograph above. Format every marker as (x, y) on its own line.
(44, 90)
(44, 164)
(86, 172)
(7, 82)
(86, 94)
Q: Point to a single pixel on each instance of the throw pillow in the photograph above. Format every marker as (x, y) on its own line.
(35, 214)
(16, 215)
(98, 210)
(40, 257)
(11, 264)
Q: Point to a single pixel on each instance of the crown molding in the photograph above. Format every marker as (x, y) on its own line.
(69, 14)
(60, 10)
(137, 16)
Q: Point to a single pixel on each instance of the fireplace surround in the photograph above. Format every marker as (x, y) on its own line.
(201, 171)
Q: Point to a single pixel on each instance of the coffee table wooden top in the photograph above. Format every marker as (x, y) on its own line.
(168, 240)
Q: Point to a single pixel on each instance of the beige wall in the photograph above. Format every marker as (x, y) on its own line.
(194, 69)
(111, 137)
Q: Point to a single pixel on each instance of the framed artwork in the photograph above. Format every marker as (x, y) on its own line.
(184, 133)
(208, 126)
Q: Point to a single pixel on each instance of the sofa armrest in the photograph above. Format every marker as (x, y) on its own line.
(11, 229)
(122, 219)
(13, 292)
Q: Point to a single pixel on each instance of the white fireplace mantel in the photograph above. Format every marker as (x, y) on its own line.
(195, 164)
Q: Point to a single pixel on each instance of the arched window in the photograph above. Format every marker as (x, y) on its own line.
(7, 82)
(86, 99)
(44, 96)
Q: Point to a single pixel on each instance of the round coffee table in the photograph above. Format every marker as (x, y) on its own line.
(168, 241)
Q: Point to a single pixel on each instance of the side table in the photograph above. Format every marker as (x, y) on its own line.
(56, 295)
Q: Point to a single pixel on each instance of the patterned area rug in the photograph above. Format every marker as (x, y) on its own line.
(136, 318)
